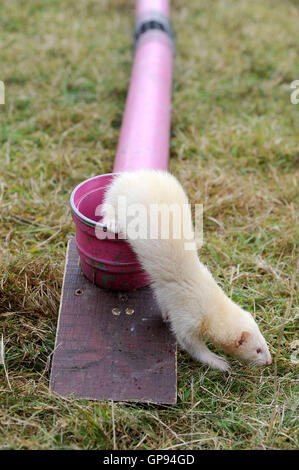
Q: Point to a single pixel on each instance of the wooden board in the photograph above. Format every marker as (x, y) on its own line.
(98, 355)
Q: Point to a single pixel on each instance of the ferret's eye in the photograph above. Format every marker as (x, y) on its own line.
(259, 350)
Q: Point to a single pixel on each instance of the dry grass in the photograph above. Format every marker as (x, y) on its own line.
(66, 67)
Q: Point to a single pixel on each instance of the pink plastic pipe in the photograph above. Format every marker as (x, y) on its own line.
(148, 6)
(144, 143)
(145, 130)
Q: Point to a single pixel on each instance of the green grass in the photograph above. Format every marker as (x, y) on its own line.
(66, 67)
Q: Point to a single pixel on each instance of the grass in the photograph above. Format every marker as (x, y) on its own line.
(66, 67)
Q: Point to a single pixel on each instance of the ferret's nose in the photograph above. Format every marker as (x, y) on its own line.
(269, 361)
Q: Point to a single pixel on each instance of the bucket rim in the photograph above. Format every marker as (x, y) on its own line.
(79, 214)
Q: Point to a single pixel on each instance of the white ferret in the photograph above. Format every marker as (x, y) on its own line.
(186, 292)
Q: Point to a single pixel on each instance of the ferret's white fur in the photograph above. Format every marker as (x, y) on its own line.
(186, 292)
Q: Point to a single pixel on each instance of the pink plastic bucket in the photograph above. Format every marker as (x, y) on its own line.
(106, 261)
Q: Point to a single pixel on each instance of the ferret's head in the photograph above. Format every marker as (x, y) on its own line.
(247, 343)
(250, 346)
(235, 331)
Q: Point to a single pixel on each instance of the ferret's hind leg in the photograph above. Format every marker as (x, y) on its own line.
(199, 351)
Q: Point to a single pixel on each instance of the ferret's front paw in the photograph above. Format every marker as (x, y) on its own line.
(217, 362)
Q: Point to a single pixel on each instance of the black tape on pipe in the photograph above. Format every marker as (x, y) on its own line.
(155, 22)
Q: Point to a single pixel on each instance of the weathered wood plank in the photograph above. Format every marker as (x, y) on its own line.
(98, 355)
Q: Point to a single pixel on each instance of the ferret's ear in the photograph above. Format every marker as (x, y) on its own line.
(242, 339)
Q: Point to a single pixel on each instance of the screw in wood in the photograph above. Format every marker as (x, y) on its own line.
(78, 292)
(123, 297)
(116, 311)
(129, 311)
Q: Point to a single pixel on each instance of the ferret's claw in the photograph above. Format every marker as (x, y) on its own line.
(165, 316)
(111, 224)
